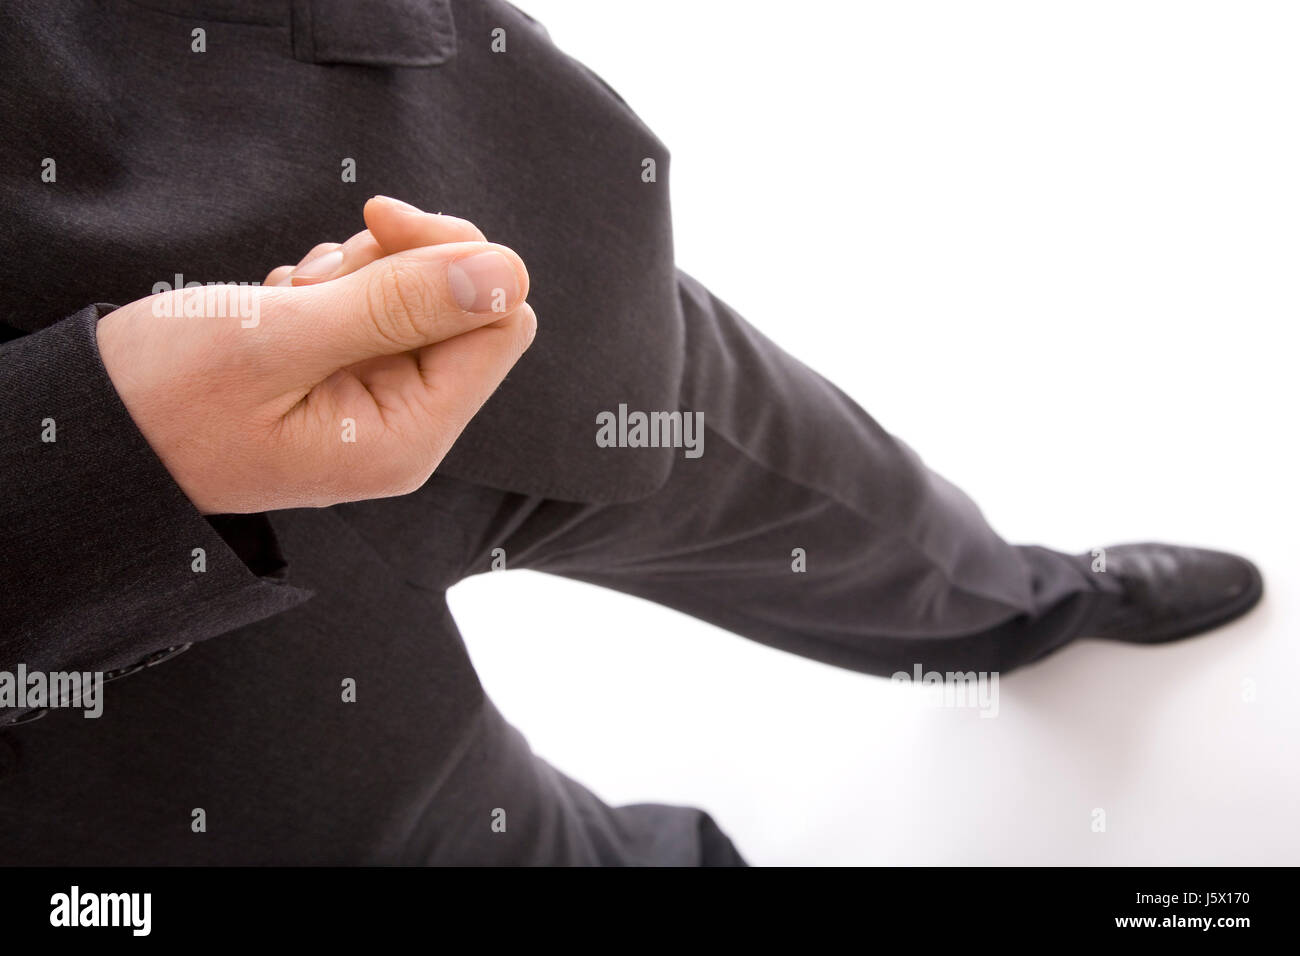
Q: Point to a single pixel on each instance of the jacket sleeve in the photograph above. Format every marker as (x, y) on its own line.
(105, 564)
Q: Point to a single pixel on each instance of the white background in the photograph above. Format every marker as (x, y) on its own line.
(1056, 248)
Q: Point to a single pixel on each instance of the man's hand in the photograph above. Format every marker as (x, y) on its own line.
(351, 387)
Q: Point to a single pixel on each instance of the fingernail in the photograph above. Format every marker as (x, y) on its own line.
(486, 282)
(319, 267)
(404, 206)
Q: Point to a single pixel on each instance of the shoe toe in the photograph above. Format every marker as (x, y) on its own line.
(1174, 592)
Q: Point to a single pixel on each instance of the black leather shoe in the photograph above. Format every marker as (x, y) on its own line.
(1171, 592)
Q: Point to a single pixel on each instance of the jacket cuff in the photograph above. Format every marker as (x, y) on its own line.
(110, 566)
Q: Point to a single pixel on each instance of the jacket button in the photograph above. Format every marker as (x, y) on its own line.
(157, 657)
(166, 654)
(122, 672)
(28, 717)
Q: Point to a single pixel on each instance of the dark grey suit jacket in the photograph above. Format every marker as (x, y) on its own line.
(219, 165)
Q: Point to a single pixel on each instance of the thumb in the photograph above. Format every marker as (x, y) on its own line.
(401, 303)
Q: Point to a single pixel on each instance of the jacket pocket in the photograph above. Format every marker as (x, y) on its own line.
(374, 33)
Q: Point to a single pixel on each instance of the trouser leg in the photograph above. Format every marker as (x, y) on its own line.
(806, 526)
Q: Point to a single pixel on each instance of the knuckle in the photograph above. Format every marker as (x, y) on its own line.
(415, 480)
(397, 299)
(363, 247)
(402, 475)
(319, 250)
(389, 480)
